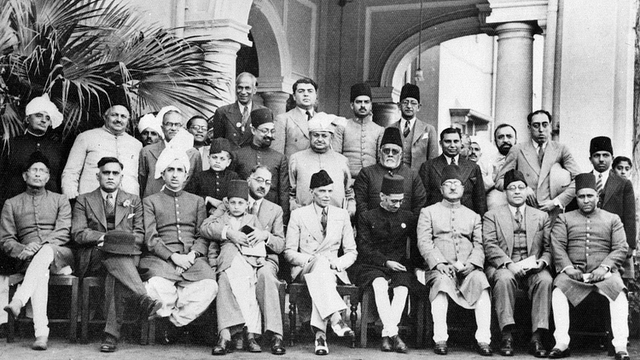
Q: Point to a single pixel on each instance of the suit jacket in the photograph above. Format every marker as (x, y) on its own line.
(147, 168)
(89, 223)
(619, 199)
(524, 157)
(473, 197)
(305, 240)
(497, 232)
(292, 132)
(270, 218)
(425, 143)
(225, 124)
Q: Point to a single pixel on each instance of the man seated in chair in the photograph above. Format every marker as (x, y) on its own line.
(383, 262)
(518, 253)
(175, 266)
(315, 234)
(266, 290)
(450, 240)
(34, 229)
(109, 214)
(589, 246)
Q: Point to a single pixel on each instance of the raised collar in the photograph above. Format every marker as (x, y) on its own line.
(35, 192)
(450, 205)
(170, 192)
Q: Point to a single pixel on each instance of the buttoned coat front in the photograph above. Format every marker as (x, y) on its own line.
(225, 124)
(292, 132)
(424, 145)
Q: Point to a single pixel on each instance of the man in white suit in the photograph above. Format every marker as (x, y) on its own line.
(535, 160)
(315, 234)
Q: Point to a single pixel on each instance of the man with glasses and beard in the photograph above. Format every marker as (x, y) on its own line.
(259, 152)
(369, 182)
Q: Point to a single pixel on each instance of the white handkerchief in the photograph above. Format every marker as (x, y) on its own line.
(258, 250)
(528, 263)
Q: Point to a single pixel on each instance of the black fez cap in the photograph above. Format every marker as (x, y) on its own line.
(36, 157)
(392, 184)
(321, 178)
(239, 189)
(261, 116)
(600, 143)
(359, 90)
(513, 175)
(410, 91)
(391, 136)
(219, 145)
(585, 180)
(450, 172)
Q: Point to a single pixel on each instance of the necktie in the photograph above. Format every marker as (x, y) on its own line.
(245, 116)
(323, 220)
(407, 128)
(308, 115)
(540, 154)
(599, 189)
(254, 208)
(109, 205)
(519, 218)
(453, 161)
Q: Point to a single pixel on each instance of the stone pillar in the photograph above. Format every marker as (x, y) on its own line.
(276, 101)
(384, 114)
(514, 76)
(223, 54)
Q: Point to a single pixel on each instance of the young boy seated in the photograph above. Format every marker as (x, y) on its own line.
(213, 183)
(242, 252)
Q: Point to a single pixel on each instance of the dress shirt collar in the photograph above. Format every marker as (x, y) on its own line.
(253, 201)
(104, 195)
(536, 145)
(513, 210)
(248, 106)
(318, 210)
(457, 157)
(304, 112)
(605, 175)
(403, 123)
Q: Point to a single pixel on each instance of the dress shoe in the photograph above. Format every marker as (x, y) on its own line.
(386, 344)
(151, 307)
(440, 348)
(109, 344)
(341, 329)
(398, 345)
(559, 354)
(484, 349)
(321, 346)
(222, 347)
(506, 347)
(622, 355)
(253, 346)
(277, 346)
(537, 349)
(40, 343)
(14, 307)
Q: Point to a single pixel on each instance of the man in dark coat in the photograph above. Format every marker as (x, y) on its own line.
(430, 172)
(616, 195)
(588, 247)
(369, 182)
(95, 215)
(383, 261)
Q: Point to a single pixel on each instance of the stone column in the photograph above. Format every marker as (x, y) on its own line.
(223, 54)
(386, 113)
(276, 101)
(514, 76)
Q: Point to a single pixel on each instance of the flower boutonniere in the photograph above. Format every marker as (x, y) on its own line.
(126, 203)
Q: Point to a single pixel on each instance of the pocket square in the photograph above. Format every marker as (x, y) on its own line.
(425, 136)
(130, 216)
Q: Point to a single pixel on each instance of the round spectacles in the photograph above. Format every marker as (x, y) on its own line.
(198, 127)
(261, 180)
(516, 187)
(388, 151)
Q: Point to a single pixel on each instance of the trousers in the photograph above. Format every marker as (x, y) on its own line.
(440, 306)
(390, 311)
(182, 303)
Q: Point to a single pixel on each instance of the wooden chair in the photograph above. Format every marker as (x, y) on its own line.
(297, 290)
(55, 280)
(97, 282)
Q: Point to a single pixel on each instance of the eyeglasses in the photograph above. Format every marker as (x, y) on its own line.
(543, 125)
(410, 103)
(388, 151)
(450, 183)
(171, 125)
(267, 131)
(518, 187)
(261, 180)
(198, 127)
(38, 171)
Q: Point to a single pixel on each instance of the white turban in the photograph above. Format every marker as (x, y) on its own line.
(150, 121)
(176, 149)
(42, 104)
(322, 122)
(164, 111)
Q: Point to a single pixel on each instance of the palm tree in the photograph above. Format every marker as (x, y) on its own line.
(88, 54)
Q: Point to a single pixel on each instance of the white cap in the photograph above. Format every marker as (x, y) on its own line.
(150, 121)
(42, 104)
(322, 122)
(169, 155)
(165, 110)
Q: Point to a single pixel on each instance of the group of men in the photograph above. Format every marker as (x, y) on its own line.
(417, 217)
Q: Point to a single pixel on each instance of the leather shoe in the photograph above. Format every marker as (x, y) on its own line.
(440, 348)
(622, 355)
(277, 346)
(341, 329)
(321, 346)
(40, 343)
(109, 344)
(484, 349)
(398, 345)
(386, 344)
(559, 354)
(14, 307)
(222, 347)
(253, 346)
(506, 347)
(537, 349)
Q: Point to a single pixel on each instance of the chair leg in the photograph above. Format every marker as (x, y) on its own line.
(73, 321)
(152, 332)
(11, 328)
(292, 320)
(282, 293)
(420, 324)
(364, 319)
(354, 319)
(84, 313)
(144, 332)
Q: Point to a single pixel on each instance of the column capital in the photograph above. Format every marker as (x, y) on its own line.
(515, 30)
(278, 83)
(220, 29)
(275, 100)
